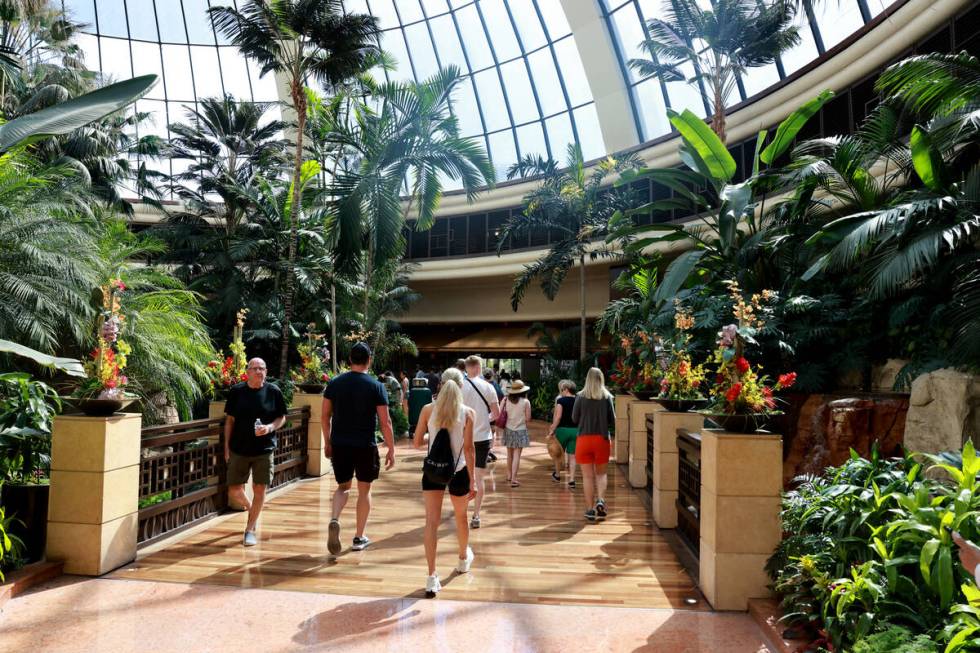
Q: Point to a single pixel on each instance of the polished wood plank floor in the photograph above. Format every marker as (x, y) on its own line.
(534, 547)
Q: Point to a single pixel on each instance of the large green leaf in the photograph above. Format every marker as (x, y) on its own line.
(70, 366)
(789, 128)
(705, 142)
(927, 160)
(76, 112)
(677, 274)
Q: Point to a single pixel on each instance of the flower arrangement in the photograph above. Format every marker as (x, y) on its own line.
(104, 369)
(313, 358)
(636, 369)
(682, 380)
(226, 373)
(739, 389)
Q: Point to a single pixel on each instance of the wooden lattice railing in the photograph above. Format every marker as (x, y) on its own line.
(183, 475)
(689, 488)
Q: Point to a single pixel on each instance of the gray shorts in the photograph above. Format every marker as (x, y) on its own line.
(261, 467)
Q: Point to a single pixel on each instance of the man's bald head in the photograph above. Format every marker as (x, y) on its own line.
(255, 373)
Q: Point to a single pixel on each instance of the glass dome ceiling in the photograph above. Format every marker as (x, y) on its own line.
(526, 90)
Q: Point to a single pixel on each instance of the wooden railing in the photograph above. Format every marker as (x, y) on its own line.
(183, 474)
(689, 488)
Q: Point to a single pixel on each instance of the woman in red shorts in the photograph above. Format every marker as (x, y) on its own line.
(594, 414)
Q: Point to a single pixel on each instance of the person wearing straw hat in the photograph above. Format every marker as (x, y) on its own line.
(516, 437)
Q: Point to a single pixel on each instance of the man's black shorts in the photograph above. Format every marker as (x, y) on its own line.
(364, 462)
(459, 484)
(482, 450)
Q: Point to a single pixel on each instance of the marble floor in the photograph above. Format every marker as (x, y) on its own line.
(75, 615)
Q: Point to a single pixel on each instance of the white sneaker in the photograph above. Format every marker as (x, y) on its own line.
(432, 585)
(463, 566)
(250, 539)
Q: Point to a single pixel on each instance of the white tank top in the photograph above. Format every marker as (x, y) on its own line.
(455, 435)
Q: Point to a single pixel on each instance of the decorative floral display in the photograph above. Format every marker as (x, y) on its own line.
(682, 379)
(739, 389)
(108, 360)
(226, 373)
(314, 358)
(636, 369)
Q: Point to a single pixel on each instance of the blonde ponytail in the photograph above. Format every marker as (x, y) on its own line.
(450, 399)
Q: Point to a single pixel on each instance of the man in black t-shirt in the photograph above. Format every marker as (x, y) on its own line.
(353, 405)
(254, 412)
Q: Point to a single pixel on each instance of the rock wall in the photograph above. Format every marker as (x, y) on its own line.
(944, 411)
(823, 429)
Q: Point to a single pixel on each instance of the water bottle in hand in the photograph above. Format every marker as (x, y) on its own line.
(258, 423)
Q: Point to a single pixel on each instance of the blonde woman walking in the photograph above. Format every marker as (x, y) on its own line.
(563, 428)
(593, 412)
(516, 437)
(450, 413)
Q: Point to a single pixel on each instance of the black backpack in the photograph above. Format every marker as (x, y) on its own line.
(439, 466)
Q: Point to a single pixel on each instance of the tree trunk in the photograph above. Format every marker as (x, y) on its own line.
(718, 120)
(299, 104)
(582, 352)
(333, 323)
(368, 277)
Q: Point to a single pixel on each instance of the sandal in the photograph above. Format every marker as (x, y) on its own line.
(515, 484)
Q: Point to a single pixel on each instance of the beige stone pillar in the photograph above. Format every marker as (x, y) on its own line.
(665, 462)
(216, 409)
(741, 481)
(93, 509)
(638, 440)
(317, 464)
(621, 442)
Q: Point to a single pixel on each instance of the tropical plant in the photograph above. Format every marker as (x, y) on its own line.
(11, 546)
(313, 359)
(413, 135)
(27, 408)
(573, 204)
(719, 42)
(300, 39)
(224, 374)
(681, 378)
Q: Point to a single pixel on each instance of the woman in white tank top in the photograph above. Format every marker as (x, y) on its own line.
(449, 412)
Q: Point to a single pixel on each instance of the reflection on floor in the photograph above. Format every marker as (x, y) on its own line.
(534, 546)
(103, 615)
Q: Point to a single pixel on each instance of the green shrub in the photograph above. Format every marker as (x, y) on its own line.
(895, 639)
(11, 546)
(870, 546)
(399, 420)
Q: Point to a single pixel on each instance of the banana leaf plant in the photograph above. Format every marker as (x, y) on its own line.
(727, 236)
(77, 112)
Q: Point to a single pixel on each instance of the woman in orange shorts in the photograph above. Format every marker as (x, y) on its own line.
(594, 414)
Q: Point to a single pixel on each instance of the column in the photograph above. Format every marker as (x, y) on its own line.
(317, 464)
(741, 481)
(216, 409)
(665, 462)
(604, 74)
(95, 475)
(638, 441)
(621, 443)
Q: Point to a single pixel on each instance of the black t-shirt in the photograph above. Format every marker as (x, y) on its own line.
(246, 405)
(355, 398)
(567, 404)
(433, 380)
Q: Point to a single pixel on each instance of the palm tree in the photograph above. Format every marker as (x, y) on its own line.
(414, 135)
(720, 42)
(299, 39)
(572, 204)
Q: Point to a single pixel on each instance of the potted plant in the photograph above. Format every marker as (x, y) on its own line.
(638, 371)
(27, 407)
(103, 392)
(742, 400)
(681, 385)
(224, 374)
(312, 377)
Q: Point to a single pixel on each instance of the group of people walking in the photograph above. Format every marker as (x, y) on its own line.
(467, 408)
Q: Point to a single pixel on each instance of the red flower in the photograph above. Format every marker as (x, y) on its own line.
(741, 365)
(682, 368)
(787, 380)
(212, 364)
(324, 377)
(111, 383)
(718, 379)
(733, 393)
(244, 377)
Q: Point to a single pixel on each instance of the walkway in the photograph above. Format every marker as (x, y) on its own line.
(534, 547)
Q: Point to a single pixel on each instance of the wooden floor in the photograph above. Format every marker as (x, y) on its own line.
(534, 547)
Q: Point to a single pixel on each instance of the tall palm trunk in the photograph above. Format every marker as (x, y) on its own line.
(299, 104)
(718, 119)
(333, 323)
(581, 261)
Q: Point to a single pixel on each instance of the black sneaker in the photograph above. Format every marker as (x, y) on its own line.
(590, 515)
(571, 485)
(555, 477)
(491, 457)
(360, 543)
(333, 537)
(600, 509)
